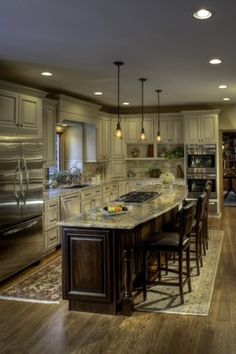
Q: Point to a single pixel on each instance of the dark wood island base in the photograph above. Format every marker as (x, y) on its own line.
(102, 257)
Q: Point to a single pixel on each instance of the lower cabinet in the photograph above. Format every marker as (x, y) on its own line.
(87, 269)
(51, 216)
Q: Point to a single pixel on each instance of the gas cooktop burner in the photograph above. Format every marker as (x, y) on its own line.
(137, 197)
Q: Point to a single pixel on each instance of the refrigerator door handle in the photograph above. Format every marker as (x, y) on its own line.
(18, 174)
(25, 170)
(18, 229)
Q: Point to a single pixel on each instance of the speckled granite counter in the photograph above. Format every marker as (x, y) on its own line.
(137, 214)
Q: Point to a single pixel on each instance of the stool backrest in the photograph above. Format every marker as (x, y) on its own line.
(201, 207)
(187, 214)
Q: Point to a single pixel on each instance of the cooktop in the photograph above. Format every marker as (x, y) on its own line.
(137, 197)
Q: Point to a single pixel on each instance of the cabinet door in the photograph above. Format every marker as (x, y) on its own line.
(177, 131)
(49, 135)
(117, 169)
(117, 145)
(30, 112)
(103, 137)
(192, 131)
(123, 187)
(132, 130)
(88, 260)
(8, 109)
(208, 129)
(165, 130)
(149, 129)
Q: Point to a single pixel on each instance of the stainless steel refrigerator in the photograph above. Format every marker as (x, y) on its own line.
(21, 202)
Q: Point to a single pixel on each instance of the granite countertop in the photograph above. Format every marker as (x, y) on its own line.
(137, 214)
(61, 190)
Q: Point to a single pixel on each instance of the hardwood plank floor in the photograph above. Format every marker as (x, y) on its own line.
(37, 328)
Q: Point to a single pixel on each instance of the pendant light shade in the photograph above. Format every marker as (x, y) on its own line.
(158, 137)
(118, 133)
(142, 133)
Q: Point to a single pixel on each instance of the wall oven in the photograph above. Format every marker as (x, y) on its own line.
(196, 185)
(200, 167)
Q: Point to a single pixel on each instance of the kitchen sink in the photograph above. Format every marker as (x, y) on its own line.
(71, 186)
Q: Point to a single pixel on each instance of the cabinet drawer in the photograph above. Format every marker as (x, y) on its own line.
(87, 194)
(51, 204)
(106, 188)
(52, 238)
(51, 219)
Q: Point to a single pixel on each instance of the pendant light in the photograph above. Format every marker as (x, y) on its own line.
(118, 133)
(142, 133)
(158, 137)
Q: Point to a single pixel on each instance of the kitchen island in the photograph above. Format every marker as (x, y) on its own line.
(102, 254)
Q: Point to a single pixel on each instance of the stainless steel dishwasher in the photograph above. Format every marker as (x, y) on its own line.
(70, 205)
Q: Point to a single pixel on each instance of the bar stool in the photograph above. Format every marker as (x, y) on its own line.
(172, 243)
(197, 233)
(208, 189)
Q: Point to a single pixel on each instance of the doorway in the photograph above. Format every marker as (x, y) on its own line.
(229, 168)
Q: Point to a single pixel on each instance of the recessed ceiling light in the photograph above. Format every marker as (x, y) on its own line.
(126, 103)
(46, 73)
(98, 93)
(226, 99)
(202, 14)
(222, 86)
(215, 61)
(64, 125)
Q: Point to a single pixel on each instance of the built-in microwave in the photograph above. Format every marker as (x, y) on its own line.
(201, 159)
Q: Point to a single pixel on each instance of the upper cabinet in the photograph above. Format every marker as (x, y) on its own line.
(117, 145)
(20, 114)
(49, 132)
(103, 139)
(171, 129)
(201, 127)
(133, 129)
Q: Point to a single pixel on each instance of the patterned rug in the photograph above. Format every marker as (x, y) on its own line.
(230, 201)
(167, 300)
(43, 286)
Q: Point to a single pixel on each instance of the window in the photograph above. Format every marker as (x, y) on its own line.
(59, 154)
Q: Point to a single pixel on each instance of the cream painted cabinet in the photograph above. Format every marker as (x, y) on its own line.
(117, 168)
(103, 139)
(123, 187)
(133, 129)
(90, 198)
(9, 106)
(117, 145)
(51, 216)
(20, 114)
(172, 130)
(49, 133)
(201, 127)
(109, 192)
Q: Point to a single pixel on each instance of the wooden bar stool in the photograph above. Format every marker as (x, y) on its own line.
(208, 189)
(172, 243)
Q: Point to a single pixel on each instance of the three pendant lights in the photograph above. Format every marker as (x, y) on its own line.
(118, 132)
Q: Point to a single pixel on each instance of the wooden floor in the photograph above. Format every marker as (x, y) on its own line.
(37, 328)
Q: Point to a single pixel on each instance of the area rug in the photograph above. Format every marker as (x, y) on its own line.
(230, 201)
(42, 286)
(167, 300)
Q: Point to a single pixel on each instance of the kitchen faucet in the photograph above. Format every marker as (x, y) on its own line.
(75, 175)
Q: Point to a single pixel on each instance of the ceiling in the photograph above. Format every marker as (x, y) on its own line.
(78, 41)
